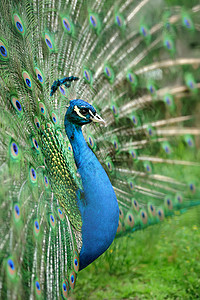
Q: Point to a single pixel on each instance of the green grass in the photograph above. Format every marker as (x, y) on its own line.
(160, 262)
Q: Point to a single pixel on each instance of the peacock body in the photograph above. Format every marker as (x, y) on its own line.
(66, 189)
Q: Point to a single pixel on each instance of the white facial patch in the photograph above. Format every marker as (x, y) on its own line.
(91, 113)
(76, 109)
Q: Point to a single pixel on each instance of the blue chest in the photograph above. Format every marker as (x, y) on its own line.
(99, 211)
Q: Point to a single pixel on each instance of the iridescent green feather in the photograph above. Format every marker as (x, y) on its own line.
(139, 66)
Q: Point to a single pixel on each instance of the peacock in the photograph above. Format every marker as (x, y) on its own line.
(100, 131)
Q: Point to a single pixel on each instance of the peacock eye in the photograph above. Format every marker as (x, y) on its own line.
(84, 111)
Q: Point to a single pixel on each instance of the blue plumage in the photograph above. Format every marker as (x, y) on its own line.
(99, 207)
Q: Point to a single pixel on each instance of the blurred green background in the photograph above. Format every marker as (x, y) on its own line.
(160, 262)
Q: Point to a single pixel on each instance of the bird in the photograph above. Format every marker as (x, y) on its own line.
(99, 131)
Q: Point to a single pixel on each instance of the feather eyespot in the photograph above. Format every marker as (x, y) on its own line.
(131, 185)
(116, 146)
(179, 198)
(54, 118)
(60, 214)
(36, 227)
(168, 203)
(187, 22)
(65, 288)
(14, 150)
(37, 288)
(144, 31)
(18, 24)
(150, 131)
(144, 217)
(37, 123)
(42, 108)
(93, 21)
(161, 214)
(119, 20)
(190, 82)
(109, 165)
(67, 25)
(3, 51)
(17, 214)
(190, 142)
(39, 75)
(107, 71)
(135, 119)
(168, 44)
(48, 42)
(91, 141)
(35, 143)
(27, 80)
(129, 221)
(33, 175)
(114, 110)
(72, 279)
(52, 220)
(192, 188)
(69, 149)
(46, 181)
(11, 268)
(87, 75)
(168, 100)
(135, 205)
(133, 154)
(132, 78)
(148, 167)
(76, 262)
(152, 210)
(16, 104)
(167, 148)
(151, 88)
(17, 210)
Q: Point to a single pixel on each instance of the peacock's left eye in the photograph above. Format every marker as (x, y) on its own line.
(84, 111)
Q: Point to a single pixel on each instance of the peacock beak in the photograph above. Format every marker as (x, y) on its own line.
(97, 118)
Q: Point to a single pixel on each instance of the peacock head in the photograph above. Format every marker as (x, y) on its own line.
(80, 113)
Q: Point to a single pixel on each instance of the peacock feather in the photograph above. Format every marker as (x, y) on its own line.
(129, 71)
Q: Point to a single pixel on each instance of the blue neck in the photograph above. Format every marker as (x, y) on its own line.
(100, 212)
